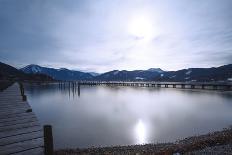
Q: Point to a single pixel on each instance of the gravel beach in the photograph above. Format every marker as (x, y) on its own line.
(219, 142)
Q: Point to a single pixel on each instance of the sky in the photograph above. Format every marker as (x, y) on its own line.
(103, 35)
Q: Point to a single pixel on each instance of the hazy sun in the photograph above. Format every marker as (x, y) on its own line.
(140, 27)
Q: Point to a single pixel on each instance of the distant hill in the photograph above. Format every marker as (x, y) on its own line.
(58, 74)
(222, 73)
(124, 75)
(8, 72)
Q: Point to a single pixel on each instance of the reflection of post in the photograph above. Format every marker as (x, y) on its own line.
(79, 90)
(73, 88)
(69, 90)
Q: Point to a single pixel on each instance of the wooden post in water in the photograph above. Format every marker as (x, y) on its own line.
(48, 140)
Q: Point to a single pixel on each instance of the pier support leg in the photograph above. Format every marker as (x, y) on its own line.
(48, 140)
(203, 87)
(24, 97)
(215, 87)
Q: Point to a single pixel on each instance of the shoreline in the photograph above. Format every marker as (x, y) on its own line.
(184, 146)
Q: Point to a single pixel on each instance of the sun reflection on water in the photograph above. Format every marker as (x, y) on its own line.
(140, 132)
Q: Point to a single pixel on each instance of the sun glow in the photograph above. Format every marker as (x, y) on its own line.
(141, 27)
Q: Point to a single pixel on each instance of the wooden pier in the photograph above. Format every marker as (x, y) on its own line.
(226, 86)
(20, 131)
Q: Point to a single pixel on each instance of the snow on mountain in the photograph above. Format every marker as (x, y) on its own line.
(155, 70)
(188, 72)
(32, 69)
(172, 76)
(116, 72)
(139, 78)
(94, 73)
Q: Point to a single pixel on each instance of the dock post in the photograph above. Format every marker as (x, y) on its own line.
(215, 87)
(24, 97)
(48, 140)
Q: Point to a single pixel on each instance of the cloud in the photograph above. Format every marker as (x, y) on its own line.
(96, 36)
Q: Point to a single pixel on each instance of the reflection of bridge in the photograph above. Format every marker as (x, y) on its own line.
(183, 85)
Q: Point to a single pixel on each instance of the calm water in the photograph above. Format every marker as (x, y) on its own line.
(103, 116)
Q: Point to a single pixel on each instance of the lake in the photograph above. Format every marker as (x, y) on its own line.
(105, 116)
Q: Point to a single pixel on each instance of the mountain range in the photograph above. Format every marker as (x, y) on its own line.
(8, 72)
(222, 73)
(58, 74)
(30, 72)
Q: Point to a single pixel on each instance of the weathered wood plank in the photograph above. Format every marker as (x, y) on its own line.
(13, 103)
(17, 111)
(21, 146)
(19, 131)
(17, 115)
(34, 151)
(19, 126)
(21, 138)
(20, 121)
(13, 119)
(11, 100)
(11, 108)
(22, 106)
(17, 106)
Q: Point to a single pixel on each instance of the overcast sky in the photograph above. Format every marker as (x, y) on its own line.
(102, 35)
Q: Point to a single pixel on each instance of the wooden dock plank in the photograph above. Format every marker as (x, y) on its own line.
(17, 115)
(21, 146)
(22, 107)
(20, 121)
(19, 126)
(34, 151)
(20, 138)
(12, 119)
(20, 131)
(20, 104)
(17, 111)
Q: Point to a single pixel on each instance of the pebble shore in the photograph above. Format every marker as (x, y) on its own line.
(219, 142)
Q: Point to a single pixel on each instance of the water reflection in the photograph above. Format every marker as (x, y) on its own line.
(103, 116)
(140, 131)
(73, 88)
